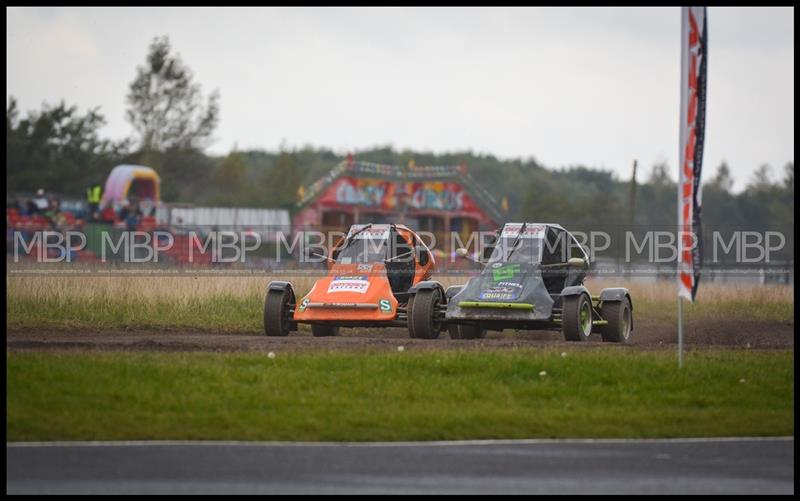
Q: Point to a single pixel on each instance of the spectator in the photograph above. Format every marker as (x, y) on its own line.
(53, 213)
(123, 210)
(30, 207)
(40, 202)
(132, 214)
(14, 205)
(146, 207)
(108, 215)
(93, 197)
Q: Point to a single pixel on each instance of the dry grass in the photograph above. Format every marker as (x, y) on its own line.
(140, 288)
(666, 290)
(234, 303)
(203, 287)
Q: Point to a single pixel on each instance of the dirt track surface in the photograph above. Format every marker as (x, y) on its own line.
(647, 335)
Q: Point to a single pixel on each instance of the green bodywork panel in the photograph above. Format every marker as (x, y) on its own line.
(486, 304)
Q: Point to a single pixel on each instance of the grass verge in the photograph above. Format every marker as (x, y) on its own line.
(400, 396)
(235, 304)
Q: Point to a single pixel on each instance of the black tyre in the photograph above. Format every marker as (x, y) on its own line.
(276, 312)
(576, 318)
(324, 330)
(409, 308)
(452, 291)
(619, 315)
(466, 332)
(423, 323)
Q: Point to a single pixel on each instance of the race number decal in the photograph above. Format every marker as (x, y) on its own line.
(353, 283)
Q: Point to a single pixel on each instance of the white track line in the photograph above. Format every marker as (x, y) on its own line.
(447, 443)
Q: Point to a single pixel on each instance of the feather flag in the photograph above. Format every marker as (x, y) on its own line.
(694, 67)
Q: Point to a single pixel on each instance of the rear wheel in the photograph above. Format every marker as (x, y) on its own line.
(619, 315)
(576, 318)
(324, 330)
(466, 332)
(423, 322)
(276, 312)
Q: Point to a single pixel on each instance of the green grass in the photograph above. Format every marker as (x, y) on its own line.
(607, 392)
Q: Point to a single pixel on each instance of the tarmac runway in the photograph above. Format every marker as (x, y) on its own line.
(703, 466)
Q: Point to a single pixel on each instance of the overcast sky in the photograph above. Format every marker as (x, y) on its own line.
(591, 86)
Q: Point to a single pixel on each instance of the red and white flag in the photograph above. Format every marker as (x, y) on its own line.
(694, 66)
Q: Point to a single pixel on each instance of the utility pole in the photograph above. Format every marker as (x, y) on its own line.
(632, 208)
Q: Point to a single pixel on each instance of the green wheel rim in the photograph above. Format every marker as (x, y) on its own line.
(626, 322)
(586, 318)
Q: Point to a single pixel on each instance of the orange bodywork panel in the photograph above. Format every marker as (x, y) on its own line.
(349, 292)
(359, 291)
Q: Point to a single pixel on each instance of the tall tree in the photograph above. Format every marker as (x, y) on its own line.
(57, 149)
(761, 179)
(722, 180)
(788, 176)
(229, 179)
(282, 180)
(166, 106)
(659, 175)
(720, 206)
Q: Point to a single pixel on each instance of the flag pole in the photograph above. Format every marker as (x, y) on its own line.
(680, 332)
(694, 40)
(681, 160)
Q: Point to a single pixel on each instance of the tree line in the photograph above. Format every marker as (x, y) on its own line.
(61, 149)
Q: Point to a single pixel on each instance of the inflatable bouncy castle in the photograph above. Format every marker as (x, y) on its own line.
(127, 181)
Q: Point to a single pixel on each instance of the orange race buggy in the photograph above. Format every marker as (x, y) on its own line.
(370, 272)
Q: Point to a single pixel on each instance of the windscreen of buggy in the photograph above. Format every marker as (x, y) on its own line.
(528, 250)
(364, 250)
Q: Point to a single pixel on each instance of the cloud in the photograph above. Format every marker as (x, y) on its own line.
(596, 86)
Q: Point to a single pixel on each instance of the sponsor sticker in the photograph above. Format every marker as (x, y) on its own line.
(531, 231)
(506, 296)
(509, 291)
(375, 232)
(506, 272)
(385, 305)
(350, 283)
(304, 304)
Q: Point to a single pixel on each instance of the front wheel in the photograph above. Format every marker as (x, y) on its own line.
(466, 332)
(619, 315)
(576, 318)
(423, 322)
(276, 312)
(324, 330)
